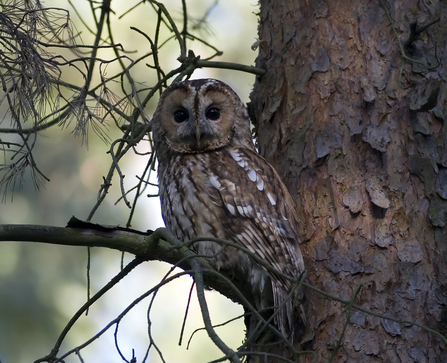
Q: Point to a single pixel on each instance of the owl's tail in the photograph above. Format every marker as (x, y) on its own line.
(289, 317)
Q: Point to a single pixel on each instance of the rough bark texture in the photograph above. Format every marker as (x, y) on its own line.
(359, 135)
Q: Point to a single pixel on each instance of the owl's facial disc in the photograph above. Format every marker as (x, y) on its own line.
(197, 121)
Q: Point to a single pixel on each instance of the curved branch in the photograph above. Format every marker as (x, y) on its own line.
(150, 246)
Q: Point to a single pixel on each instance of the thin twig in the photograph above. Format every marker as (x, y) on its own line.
(348, 317)
(134, 263)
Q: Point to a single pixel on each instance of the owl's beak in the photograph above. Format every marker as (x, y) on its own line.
(198, 134)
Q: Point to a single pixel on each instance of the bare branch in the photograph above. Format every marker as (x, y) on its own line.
(149, 246)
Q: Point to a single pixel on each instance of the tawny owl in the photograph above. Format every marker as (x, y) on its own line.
(213, 183)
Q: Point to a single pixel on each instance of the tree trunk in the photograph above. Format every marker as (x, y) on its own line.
(352, 113)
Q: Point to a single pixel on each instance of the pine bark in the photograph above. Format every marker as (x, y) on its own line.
(352, 113)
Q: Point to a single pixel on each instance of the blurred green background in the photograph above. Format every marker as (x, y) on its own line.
(42, 286)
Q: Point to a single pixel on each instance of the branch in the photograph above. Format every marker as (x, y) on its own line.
(84, 308)
(151, 246)
(228, 65)
(385, 6)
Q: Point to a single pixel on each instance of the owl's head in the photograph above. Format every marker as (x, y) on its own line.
(199, 116)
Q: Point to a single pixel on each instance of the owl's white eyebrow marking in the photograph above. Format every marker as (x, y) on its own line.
(271, 198)
(208, 83)
(252, 175)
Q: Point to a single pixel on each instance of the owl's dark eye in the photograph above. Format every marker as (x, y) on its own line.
(181, 116)
(213, 113)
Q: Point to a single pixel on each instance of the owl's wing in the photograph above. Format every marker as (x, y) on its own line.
(260, 212)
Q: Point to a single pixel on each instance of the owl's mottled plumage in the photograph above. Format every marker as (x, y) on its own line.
(213, 183)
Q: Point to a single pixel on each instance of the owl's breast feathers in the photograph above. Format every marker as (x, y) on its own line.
(233, 194)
